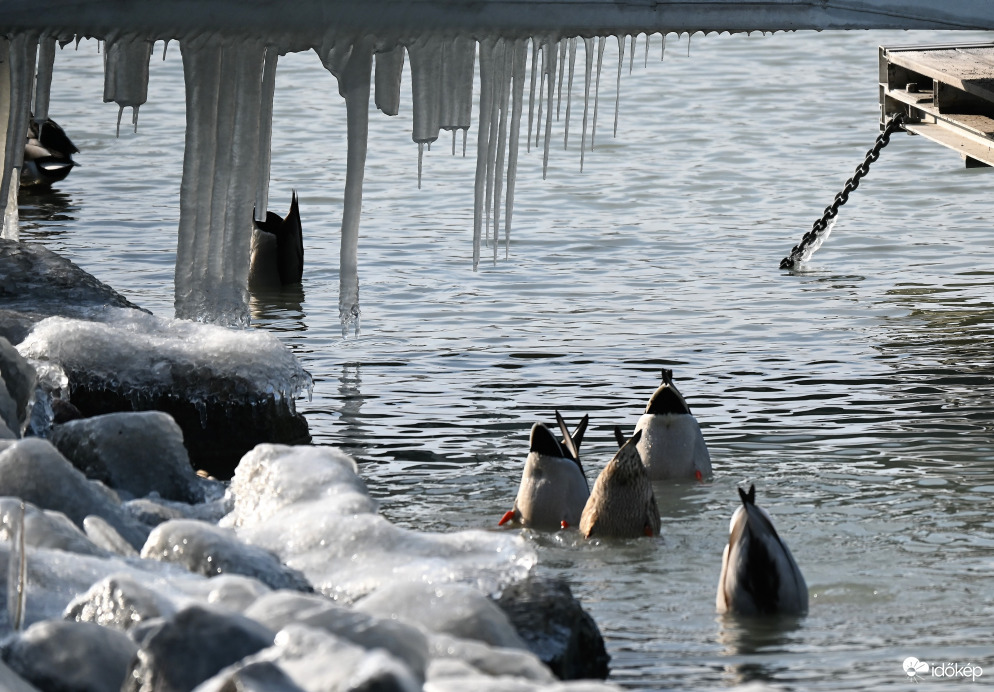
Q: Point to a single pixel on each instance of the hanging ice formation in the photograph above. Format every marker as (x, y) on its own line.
(126, 74)
(230, 82)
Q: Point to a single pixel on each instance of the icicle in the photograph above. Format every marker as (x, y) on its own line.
(689, 36)
(353, 66)
(165, 47)
(561, 45)
(421, 155)
(224, 94)
(17, 573)
(531, 94)
(631, 54)
(43, 86)
(507, 60)
(597, 87)
(126, 61)
(543, 73)
(617, 90)
(426, 82)
(518, 73)
(487, 46)
(265, 132)
(389, 70)
(569, 87)
(588, 54)
(551, 86)
(17, 68)
(662, 52)
(645, 64)
(458, 74)
(495, 121)
(464, 132)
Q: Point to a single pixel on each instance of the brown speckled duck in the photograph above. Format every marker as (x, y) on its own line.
(622, 504)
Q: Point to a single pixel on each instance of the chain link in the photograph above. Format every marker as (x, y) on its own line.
(819, 228)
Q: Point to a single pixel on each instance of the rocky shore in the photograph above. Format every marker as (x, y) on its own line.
(129, 571)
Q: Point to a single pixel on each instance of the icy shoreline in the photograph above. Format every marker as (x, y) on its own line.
(286, 578)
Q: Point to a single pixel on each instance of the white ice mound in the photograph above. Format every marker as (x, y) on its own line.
(145, 356)
(308, 505)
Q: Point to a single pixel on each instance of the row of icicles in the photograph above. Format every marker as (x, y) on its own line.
(230, 83)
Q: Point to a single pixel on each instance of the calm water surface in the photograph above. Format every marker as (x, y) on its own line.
(856, 395)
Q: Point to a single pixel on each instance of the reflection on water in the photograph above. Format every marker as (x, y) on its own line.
(46, 211)
(756, 648)
(279, 309)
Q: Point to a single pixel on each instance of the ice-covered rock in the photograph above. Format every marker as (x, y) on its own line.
(227, 389)
(36, 283)
(69, 655)
(210, 550)
(258, 676)
(190, 647)
(317, 661)
(452, 656)
(44, 529)
(33, 470)
(139, 453)
(120, 601)
(556, 628)
(453, 609)
(404, 641)
(308, 505)
(106, 536)
(17, 384)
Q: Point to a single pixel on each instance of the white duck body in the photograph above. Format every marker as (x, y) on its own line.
(672, 445)
(758, 573)
(553, 489)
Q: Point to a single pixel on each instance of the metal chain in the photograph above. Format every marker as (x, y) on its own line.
(820, 226)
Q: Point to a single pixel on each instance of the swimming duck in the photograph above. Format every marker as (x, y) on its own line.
(278, 249)
(622, 504)
(47, 154)
(672, 446)
(758, 573)
(553, 486)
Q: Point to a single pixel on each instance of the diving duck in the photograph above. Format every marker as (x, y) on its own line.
(672, 446)
(622, 504)
(278, 249)
(758, 573)
(553, 487)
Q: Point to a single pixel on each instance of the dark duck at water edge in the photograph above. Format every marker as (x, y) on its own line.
(758, 574)
(47, 154)
(278, 249)
(553, 489)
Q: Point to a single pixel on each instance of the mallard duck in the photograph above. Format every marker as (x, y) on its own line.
(672, 446)
(553, 487)
(758, 573)
(47, 154)
(278, 248)
(622, 504)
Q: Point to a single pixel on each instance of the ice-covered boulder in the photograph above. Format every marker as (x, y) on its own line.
(308, 505)
(69, 655)
(120, 601)
(316, 660)
(17, 384)
(137, 453)
(190, 647)
(33, 470)
(227, 389)
(556, 628)
(12, 682)
(453, 609)
(407, 643)
(44, 528)
(455, 657)
(210, 550)
(36, 283)
(257, 676)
